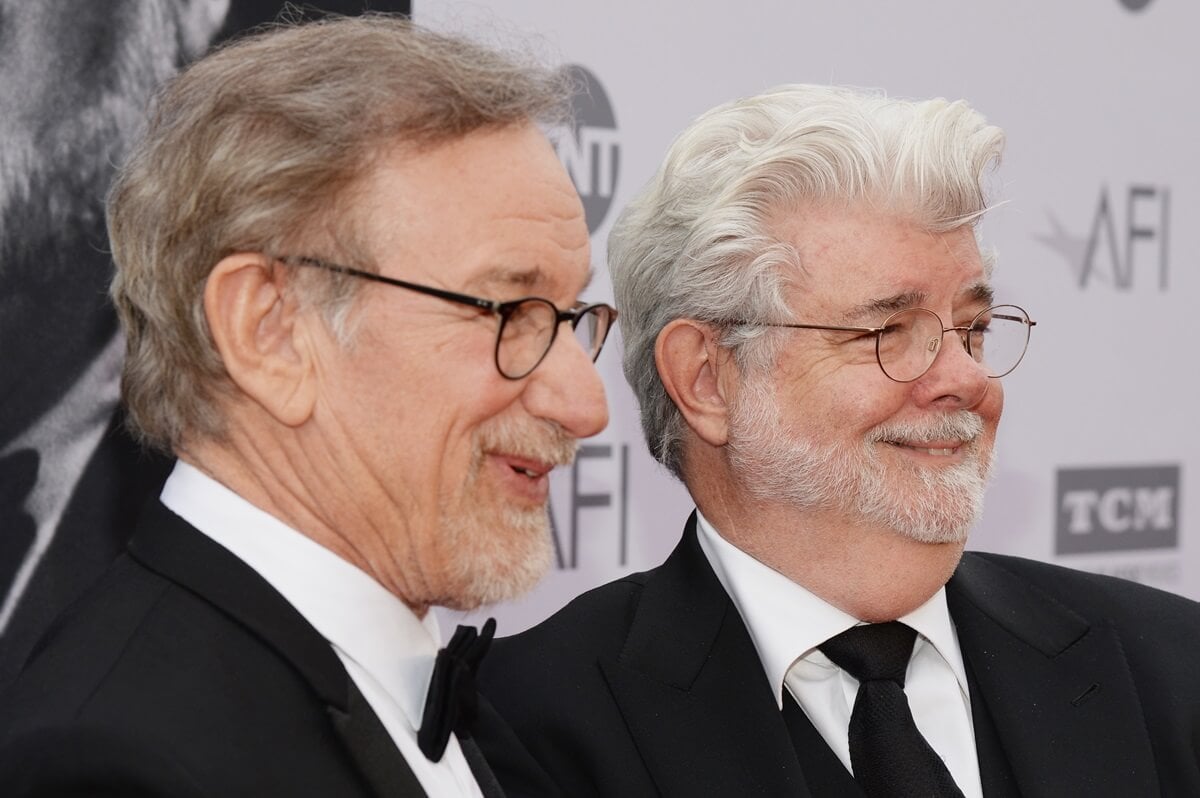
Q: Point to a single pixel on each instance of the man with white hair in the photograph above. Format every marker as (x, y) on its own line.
(812, 334)
(349, 266)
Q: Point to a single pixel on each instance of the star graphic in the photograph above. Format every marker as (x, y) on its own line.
(1072, 248)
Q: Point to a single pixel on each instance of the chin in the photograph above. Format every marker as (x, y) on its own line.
(935, 528)
(496, 560)
(930, 506)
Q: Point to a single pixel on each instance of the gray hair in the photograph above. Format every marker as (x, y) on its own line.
(697, 241)
(258, 148)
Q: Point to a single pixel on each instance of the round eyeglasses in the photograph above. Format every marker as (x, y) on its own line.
(908, 341)
(528, 326)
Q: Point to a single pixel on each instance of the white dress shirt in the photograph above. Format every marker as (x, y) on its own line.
(386, 649)
(787, 623)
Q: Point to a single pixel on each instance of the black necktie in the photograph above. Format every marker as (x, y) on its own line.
(453, 702)
(889, 756)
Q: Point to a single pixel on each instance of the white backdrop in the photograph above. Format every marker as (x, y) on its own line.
(1099, 449)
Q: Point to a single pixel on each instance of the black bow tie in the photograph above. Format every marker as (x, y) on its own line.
(453, 703)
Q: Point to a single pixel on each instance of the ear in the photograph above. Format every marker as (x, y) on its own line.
(695, 371)
(257, 331)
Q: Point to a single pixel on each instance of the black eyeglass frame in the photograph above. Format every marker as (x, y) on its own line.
(963, 334)
(502, 309)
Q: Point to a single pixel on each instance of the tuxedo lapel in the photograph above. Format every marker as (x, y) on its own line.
(692, 690)
(170, 546)
(824, 773)
(1057, 687)
(372, 749)
(484, 777)
(995, 773)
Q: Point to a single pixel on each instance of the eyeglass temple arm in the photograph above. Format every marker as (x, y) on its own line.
(740, 322)
(464, 299)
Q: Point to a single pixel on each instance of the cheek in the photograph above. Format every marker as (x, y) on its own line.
(867, 406)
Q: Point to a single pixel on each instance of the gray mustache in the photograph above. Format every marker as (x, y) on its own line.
(962, 425)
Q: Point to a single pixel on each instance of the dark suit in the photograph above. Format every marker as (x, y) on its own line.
(1081, 685)
(183, 672)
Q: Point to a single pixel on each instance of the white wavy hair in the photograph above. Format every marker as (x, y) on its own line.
(697, 241)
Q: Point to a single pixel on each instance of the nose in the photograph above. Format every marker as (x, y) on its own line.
(955, 380)
(566, 388)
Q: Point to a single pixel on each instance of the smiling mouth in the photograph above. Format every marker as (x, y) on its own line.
(529, 467)
(933, 451)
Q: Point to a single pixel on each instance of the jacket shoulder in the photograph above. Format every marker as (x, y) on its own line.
(171, 687)
(1086, 592)
(1157, 628)
(591, 625)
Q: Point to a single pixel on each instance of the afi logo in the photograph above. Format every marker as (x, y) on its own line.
(583, 496)
(1128, 236)
(591, 153)
(1110, 509)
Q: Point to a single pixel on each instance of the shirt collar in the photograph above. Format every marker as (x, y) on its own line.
(787, 622)
(360, 618)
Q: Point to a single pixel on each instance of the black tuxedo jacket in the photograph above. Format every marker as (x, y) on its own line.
(184, 673)
(1081, 686)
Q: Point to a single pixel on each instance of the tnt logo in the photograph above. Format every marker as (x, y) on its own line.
(1117, 509)
(591, 153)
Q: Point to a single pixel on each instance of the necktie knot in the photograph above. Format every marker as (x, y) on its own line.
(888, 755)
(453, 700)
(873, 652)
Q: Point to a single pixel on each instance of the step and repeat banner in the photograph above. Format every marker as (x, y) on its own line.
(1099, 448)
(1099, 451)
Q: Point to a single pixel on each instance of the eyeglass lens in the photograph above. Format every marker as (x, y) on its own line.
(529, 330)
(912, 338)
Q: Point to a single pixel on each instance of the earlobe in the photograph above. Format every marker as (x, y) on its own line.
(255, 327)
(690, 364)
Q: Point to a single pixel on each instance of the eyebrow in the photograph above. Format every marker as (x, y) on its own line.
(873, 309)
(503, 276)
(528, 279)
(981, 292)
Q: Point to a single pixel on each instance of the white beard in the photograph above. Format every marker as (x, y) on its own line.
(929, 504)
(495, 555)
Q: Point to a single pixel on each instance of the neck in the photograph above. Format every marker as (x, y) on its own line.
(287, 476)
(873, 573)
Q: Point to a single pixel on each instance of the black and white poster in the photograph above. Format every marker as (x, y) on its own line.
(75, 79)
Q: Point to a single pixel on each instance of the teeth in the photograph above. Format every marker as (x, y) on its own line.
(527, 472)
(932, 452)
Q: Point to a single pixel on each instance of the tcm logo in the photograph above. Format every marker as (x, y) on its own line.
(1117, 509)
(591, 153)
(1127, 241)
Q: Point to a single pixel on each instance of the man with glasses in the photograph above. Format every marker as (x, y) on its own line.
(812, 333)
(349, 267)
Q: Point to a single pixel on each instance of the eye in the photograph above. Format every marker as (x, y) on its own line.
(891, 331)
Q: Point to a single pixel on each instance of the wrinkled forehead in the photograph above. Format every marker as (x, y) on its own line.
(492, 210)
(860, 264)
